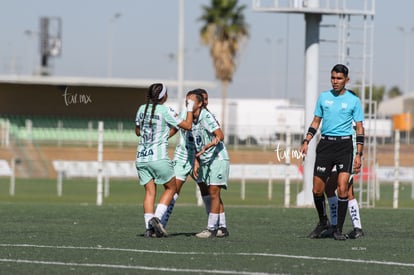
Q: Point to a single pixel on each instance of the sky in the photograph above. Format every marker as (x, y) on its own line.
(144, 44)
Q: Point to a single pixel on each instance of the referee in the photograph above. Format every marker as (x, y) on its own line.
(337, 108)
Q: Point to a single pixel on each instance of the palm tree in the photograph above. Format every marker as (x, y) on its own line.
(223, 31)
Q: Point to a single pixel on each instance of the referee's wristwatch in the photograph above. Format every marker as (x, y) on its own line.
(359, 153)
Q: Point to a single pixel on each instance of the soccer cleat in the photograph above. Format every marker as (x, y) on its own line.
(320, 227)
(339, 236)
(158, 228)
(150, 233)
(207, 233)
(329, 232)
(222, 232)
(356, 233)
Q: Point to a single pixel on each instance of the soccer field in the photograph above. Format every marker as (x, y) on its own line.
(44, 234)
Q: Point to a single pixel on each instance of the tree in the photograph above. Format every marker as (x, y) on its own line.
(394, 92)
(224, 30)
(377, 94)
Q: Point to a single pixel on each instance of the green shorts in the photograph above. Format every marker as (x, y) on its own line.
(182, 169)
(215, 172)
(162, 171)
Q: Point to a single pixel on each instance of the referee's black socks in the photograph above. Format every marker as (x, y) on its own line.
(320, 206)
(342, 209)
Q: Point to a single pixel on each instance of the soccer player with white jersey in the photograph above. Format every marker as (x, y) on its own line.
(184, 156)
(153, 123)
(212, 167)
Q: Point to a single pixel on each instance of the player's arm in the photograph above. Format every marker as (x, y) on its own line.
(137, 131)
(313, 128)
(360, 137)
(188, 122)
(173, 131)
(218, 137)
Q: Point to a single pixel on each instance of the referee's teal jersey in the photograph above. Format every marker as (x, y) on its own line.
(338, 112)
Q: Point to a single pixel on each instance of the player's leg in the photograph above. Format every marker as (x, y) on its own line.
(320, 205)
(218, 170)
(204, 195)
(213, 216)
(164, 171)
(353, 209)
(330, 189)
(342, 190)
(148, 205)
(170, 208)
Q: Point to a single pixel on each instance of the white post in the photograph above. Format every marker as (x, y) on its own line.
(59, 183)
(106, 190)
(377, 184)
(396, 168)
(12, 177)
(243, 185)
(305, 198)
(287, 162)
(269, 184)
(99, 187)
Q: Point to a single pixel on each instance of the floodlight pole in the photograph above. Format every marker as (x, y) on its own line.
(180, 55)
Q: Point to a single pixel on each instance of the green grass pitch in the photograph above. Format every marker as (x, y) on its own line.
(41, 233)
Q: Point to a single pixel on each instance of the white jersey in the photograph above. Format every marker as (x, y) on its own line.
(185, 149)
(153, 144)
(203, 134)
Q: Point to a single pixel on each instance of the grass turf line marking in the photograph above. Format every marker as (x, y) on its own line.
(202, 253)
(20, 261)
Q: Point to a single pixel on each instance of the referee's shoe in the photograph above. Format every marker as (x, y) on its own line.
(319, 229)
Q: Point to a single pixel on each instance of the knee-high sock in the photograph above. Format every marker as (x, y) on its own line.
(320, 207)
(222, 220)
(333, 209)
(353, 208)
(168, 212)
(207, 203)
(147, 218)
(342, 209)
(212, 221)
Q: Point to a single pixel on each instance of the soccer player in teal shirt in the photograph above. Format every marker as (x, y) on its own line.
(336, 109)
(212, 165)
(154, 167)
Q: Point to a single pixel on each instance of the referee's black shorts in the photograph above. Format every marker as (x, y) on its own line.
(333, 151)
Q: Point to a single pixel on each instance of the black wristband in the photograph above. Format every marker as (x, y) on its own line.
(305, 140)
(311, 131)
(360, 139)
(359, 154)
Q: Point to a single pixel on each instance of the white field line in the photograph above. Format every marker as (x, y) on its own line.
(139, 267)
(400, 264)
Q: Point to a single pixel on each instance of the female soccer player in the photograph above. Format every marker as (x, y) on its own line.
(183, 161)
(153, 123)
(212, 167)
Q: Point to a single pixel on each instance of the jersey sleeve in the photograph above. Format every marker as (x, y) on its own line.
(172, 118)
(209, 122)
(358, 114)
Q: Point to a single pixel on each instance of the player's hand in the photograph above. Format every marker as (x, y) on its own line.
(357, 164)
(190, 105)
(196, 169)
(201, 152)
